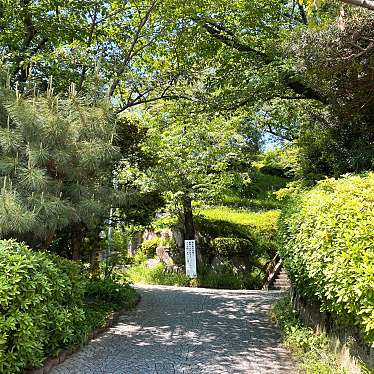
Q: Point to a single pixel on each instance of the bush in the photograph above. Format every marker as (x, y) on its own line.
(228, 247)
(148, 247)
(44, 306)
(223, 279)
(106, 291)
(258, 227)
(327, 236)
(41, 305)
(102, 297)
(230, 280)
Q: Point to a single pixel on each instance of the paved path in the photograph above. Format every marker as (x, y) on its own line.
(181, 330)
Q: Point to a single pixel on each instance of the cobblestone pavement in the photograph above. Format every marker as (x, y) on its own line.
(182, 330)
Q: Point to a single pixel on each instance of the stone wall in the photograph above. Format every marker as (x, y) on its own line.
(345, 341)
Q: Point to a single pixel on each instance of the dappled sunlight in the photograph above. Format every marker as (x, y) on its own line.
(181, 330)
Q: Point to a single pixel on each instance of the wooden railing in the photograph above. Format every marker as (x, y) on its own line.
(272, 270)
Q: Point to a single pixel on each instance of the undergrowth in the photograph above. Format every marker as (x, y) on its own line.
(309, 347)
(157, 275)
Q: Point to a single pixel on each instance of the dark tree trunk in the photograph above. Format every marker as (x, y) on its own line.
(189, 228)
(76, 241)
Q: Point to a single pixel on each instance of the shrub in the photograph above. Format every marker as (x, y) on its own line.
(228, 247)
(148, 247)
(41, 305)
(230, 280)
(258, 227)
(106, 291)
(327, 236)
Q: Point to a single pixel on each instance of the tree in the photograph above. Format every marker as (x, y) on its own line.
(196, 157)
(115, 45)
(338, 62)
(56, 158)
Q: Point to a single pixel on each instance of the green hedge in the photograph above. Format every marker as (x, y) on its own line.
(260, 228)
(100, 291)
(40, 305)
(327, 238)
(228, 247)
(47, 305)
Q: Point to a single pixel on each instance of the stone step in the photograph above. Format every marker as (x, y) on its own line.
(281, 282)
(282, 276)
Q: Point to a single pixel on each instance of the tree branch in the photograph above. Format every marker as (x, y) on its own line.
(279, 135)
(221, 33)
(129, 54)
(89, 41)
(303, 90)
(304, 17)
(227, 37)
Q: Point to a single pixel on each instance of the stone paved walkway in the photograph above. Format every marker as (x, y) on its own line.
(178, 330)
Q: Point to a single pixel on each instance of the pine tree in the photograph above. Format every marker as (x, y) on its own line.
(56, 162)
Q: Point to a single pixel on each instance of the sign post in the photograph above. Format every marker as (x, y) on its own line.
(190, 255)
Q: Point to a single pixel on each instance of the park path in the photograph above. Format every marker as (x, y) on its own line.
(184, 330)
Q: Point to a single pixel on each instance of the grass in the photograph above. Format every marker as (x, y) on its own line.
(260, 194)
(241, 216)
(311, 349)
(142, 274)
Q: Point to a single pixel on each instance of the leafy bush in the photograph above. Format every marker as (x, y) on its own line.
(148, 247)
(327, 238)
(102, 297)
(228, 247)
(311, 348)
(106, 291)
(258, 227)
(41, 305)
(222, 280)
(44, 308)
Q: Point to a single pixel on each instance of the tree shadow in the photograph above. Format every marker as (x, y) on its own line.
(184, 330)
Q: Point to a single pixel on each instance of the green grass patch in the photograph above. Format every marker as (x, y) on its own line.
(264, 219)
(143, 274)
(311, 349)
(259, 195)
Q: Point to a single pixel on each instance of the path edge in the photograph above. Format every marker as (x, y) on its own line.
(111, 321)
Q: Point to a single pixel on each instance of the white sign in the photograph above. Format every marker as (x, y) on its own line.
(190, 255)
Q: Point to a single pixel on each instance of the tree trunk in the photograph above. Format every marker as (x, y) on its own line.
(189, 228)
(76, 241)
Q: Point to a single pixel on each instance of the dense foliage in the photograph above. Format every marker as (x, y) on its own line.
(327, 247)
(227, 247)
(41, 304)
(47, 304)
(259, 228)
(56, 156)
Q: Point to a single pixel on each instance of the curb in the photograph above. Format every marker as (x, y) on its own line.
(51, 362)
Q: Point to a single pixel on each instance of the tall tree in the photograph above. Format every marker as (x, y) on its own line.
(195, 158)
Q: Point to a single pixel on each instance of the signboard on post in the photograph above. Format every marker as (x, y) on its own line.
(190, 255)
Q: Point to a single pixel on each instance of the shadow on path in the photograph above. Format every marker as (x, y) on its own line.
(183, 330)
